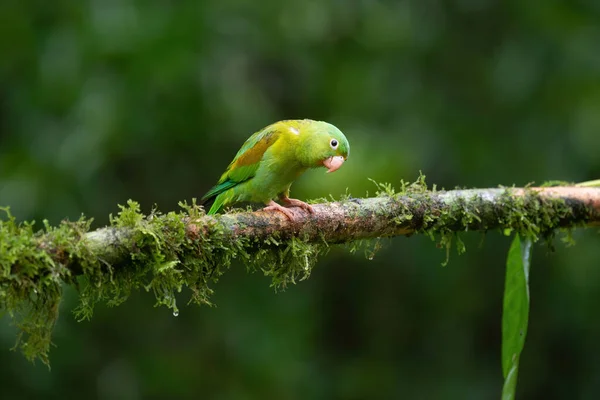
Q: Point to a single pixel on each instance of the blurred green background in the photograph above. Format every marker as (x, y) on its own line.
(106, 100)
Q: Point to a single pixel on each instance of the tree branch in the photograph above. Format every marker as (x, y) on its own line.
(400, 215)
(164, 252)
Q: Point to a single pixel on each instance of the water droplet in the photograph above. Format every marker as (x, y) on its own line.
(175, 313)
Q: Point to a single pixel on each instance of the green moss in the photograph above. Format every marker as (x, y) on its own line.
(369, 247)
(555, 183)
(33, 267)
(383, 189)
(35, 264)
(165, 260)
(531, 215)
(285, 262)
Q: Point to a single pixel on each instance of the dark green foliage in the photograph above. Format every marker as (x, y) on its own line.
(103, 101)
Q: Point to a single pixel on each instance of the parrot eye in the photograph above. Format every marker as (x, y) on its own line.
(334, 144)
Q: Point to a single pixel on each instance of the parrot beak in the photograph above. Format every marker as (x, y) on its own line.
(333, 163)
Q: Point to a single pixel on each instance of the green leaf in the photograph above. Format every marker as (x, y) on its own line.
(515, 313)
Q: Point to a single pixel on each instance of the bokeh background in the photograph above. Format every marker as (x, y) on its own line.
(106, 100)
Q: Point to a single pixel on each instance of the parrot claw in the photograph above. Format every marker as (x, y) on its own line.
(272, 206)
(298, 203)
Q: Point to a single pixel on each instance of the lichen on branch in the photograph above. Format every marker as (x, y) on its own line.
(165, 253)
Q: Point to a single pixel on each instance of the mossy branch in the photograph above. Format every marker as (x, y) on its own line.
(165, 252)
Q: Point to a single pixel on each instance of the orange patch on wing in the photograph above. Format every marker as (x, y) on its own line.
(256, 152)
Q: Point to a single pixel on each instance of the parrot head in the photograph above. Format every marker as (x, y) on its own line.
(322, 144)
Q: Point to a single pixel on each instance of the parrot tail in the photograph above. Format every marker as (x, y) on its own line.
(208, 203)
(217, 197)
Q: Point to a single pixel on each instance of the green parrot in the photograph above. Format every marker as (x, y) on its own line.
(272, 159)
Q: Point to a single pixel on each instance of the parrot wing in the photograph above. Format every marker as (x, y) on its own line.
(245, 163)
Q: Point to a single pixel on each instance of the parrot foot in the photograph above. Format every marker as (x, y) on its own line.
(298, 203)
(272, 206)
